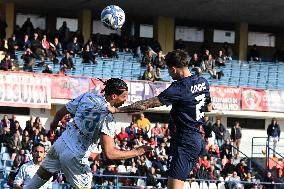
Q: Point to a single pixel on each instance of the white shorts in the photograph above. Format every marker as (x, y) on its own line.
(75, 167)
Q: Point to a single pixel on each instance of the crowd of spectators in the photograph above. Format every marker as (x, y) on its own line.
(218, 161)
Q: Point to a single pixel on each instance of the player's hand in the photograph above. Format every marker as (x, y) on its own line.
(143, 149)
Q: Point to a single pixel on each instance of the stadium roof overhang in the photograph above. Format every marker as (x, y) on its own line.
(257, 12)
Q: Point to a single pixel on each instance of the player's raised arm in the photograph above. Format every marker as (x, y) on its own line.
(58, 116)
(140, 105)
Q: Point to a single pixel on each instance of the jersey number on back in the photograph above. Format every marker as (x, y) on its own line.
(91, 121)
(201, 102)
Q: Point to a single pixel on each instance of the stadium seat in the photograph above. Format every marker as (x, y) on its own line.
(203, 185)
(212, 186)
(186, 185)
(194, 185)
(221, 185)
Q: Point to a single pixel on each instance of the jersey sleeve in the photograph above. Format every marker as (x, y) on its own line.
(73, 104)
(19, 179)
(109, 127)
(170, 95)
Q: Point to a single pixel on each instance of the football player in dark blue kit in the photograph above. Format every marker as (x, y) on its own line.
(190, 98)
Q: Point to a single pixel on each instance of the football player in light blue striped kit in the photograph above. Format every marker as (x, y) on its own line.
(93, 120)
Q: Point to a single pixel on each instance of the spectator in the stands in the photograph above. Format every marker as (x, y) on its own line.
(122, 135)
(159, 60)
(233, 181)
(26, 142)
(36, 136)
(13, 46)
(158, 75)
(46, 47)
(48, 69)
(236, 135)
(273, 133)
(166, 130)
(36, 122)
(220, 60)
(157, 132)
(249, 181)
(67, 61)
(147, 58)
(26, 43)
(207, 127)
(204, 161)
(88, 55)
(219, 130)
(242, 169)
(214, 150)
(226, 149)
(228, 52)
(46, 143)
(195, 61)
(229, 167)
(209, 66)
(149, 73)
(56, 48)
(64, 35)
(16, 127)
(13, 121)
(37, 47)
(269, 178)
(29, 60)
(5, 122)
(73, 47)
(27, 27)
(212, 173)
(202, 172)
(6, 63)
(109, 171)
(205, 54)
(254, 54)
(131, 131)
(29, 125)
(143, 123)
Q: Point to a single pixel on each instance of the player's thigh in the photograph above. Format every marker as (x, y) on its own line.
(76, 170)
(51, 162)
(181, 162)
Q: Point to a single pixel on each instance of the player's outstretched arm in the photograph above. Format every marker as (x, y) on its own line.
(141, 105)
(58, 117)
(109, 150)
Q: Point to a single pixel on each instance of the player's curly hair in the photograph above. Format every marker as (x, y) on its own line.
(177, 58)
(114, 86)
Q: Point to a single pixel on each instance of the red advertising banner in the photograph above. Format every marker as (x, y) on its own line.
(225, 98)
(25, 90)
(64, 87)
(254, 99)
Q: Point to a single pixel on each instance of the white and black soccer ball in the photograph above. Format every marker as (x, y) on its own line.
(113, 17)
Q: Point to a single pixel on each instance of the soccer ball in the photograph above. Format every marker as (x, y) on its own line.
(113, 17)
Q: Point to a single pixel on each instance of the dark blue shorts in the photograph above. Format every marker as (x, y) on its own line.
(182, 159)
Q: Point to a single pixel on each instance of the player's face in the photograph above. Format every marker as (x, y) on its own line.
(38, 154)
(172, 73)
(120, 99)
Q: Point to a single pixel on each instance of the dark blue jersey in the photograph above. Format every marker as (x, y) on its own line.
(189, 98)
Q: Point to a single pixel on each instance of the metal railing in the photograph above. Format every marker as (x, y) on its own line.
(261, 142)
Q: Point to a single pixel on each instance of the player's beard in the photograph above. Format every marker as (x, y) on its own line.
(118, 104)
